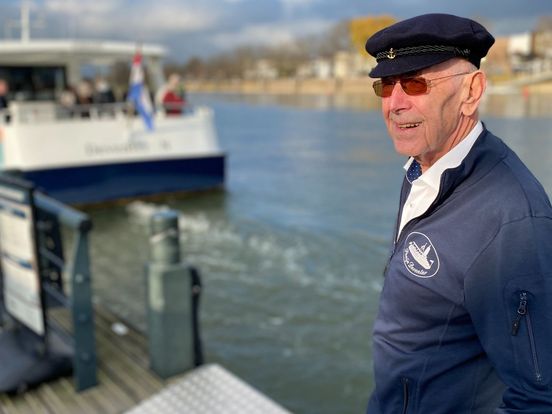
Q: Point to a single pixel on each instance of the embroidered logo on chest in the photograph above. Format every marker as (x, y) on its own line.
(419, 255)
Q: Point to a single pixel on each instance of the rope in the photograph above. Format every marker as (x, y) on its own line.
(420, 50)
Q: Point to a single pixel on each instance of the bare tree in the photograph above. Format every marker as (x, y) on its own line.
(544, 24)
(286, 58)
(338, 39)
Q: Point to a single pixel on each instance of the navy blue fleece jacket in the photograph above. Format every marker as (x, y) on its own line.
(465, 318)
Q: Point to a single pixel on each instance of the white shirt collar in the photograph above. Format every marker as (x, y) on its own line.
(452, 159)
(426, 188)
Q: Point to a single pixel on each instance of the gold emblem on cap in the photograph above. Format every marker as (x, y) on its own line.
(391, 54)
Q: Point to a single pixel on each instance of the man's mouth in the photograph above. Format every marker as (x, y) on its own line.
(409, 125)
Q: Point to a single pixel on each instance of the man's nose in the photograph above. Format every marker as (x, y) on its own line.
(398, 100)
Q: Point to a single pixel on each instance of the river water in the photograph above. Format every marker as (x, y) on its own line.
(292, 252)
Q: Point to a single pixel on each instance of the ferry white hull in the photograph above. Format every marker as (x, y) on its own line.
(98, 159)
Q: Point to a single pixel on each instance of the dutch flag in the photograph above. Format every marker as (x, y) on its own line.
(138, 92)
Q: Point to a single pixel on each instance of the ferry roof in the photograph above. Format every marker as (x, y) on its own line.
(50, 52)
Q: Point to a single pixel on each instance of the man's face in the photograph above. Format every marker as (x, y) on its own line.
(426, 126)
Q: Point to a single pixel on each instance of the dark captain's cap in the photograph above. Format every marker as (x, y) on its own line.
(417, 43)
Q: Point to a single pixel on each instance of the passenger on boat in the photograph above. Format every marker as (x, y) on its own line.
(171, 96)
(67, 101)
(85, 93)
(103, 94)
(464, 324)
(103, 97)
(4, 89)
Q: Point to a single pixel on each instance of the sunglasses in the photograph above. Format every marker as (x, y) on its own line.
(411, 86)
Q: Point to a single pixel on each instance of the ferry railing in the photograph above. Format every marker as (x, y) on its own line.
(50, 215)
(31, 112)
(24, 112)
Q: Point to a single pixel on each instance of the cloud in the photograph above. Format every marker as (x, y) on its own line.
(102, 18)
(292, 8)
(270, 34)
(76, 8)
(212, 26)
(291, 4)
(509, 25)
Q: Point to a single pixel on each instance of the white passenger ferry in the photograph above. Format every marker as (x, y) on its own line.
(109, 153)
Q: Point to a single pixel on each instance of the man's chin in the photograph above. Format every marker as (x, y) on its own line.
(406, 151)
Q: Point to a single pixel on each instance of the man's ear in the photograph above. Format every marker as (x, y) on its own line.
(474, 86)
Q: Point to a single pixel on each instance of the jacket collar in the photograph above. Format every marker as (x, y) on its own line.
(484, 155)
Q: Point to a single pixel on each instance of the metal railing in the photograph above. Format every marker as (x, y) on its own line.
(45, 111)
(51, 214)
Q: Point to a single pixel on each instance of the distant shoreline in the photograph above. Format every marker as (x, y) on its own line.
(284, 86)
(347, 86)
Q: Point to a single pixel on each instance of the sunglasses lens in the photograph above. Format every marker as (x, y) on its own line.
(411, 86)
(383, 89)
(378, 88)
(414, 86)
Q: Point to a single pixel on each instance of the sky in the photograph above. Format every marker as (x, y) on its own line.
(204, 28)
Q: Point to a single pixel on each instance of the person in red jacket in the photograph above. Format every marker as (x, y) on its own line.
(170, 97)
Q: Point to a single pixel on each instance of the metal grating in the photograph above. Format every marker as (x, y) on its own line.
(209, 389)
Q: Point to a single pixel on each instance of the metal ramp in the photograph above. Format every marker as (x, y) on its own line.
(209, 389)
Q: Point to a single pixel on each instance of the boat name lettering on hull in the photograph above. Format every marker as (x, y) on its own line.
(125, 148)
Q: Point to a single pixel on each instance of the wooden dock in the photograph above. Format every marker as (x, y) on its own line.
(123, 374)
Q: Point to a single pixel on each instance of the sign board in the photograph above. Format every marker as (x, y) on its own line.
(18, 256)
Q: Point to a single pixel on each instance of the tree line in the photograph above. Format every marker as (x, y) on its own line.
(348, 36)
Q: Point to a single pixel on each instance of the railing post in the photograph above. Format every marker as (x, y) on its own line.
(168, 290)
(78, 270)
(84, 361)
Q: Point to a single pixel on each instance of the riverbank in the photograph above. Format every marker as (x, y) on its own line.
(284, 86)
(348, 86)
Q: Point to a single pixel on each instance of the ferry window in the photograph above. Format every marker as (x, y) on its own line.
(34, 83)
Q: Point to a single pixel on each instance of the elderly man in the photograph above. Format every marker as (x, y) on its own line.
(465, 316)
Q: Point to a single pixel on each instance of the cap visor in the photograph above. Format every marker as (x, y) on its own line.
(406, 64)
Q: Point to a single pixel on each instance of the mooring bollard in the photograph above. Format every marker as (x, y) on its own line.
(169, 296)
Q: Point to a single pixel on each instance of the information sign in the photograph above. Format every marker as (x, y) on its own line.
(18, 257)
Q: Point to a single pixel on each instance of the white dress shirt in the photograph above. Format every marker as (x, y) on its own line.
(426, 187)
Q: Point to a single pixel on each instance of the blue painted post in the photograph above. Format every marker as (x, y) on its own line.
(168, 299)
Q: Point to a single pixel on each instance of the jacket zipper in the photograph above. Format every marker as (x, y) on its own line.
(402, 200)
(401, 237)
(523, 313)
(405, 395)
(398, 238)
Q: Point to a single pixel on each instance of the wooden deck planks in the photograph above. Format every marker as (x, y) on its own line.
(123, 375)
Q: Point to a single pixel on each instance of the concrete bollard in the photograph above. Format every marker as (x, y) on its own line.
(168, 288)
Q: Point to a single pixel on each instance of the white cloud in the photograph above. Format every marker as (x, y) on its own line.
(297, 3)
(152, 20)
(292, 6)
(270, 34)
(77, 7)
